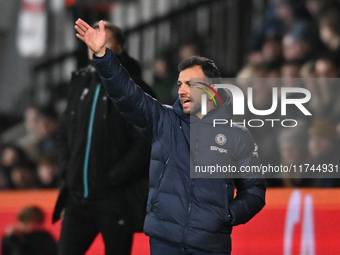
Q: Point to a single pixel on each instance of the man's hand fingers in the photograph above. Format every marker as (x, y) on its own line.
(82, 25)
(94, 40)
(81, 37)
(79, 30)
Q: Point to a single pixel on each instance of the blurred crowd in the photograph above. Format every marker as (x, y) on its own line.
(298, 45)
(297, 39)
(30, 161)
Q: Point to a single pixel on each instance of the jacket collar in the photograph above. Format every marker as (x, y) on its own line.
(179, 111)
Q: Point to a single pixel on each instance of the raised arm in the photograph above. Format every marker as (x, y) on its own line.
(140, 109)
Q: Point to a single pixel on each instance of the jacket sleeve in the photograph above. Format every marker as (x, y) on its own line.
(140, 109)
(251, 187)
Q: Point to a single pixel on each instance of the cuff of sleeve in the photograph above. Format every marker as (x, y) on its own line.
(94, 56)
(106, 65)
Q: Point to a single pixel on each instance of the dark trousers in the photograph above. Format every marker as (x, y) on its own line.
(83, 220)
(158, 247)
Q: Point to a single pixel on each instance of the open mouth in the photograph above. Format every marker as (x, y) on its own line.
(186, 102)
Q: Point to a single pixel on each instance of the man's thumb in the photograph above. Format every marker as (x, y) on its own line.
(101, 26)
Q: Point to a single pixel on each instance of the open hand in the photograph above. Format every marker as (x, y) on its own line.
(94, 40)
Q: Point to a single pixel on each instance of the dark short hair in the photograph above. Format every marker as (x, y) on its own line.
(208, 66)
(47, 111)
(116, 31)
(31, 214)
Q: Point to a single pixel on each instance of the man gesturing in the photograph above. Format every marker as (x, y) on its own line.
(184, 215)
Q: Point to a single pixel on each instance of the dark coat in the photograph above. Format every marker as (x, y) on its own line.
(183, 210)
(38, 242)
(118, 156)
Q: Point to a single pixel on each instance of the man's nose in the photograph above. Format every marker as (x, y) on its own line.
(183, 90)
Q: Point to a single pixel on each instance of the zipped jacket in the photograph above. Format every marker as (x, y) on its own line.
(193, 212)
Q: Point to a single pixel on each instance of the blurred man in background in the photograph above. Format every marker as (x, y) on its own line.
(103, 162)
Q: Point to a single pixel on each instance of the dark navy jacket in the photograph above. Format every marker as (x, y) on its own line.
(192, 212)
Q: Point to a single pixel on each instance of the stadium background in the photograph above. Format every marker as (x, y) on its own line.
(39, 50)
